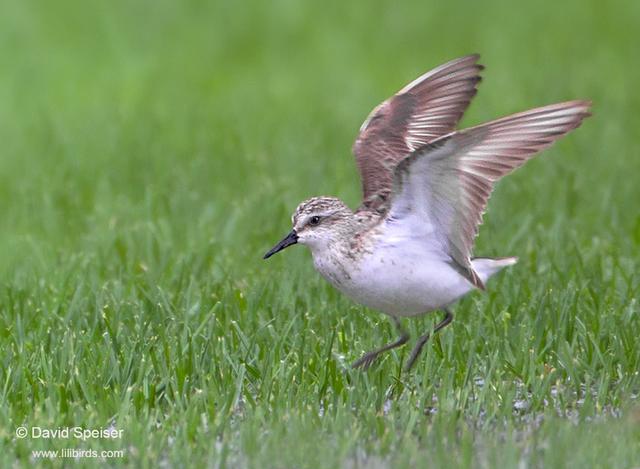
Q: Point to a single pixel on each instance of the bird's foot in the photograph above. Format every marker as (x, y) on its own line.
(366, 360)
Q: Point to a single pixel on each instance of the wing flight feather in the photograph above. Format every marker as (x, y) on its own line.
(445, 185)
(424, 110)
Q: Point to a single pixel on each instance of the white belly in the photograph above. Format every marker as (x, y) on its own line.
(401, 279)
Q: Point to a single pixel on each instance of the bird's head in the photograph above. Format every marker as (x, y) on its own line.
(318, 222)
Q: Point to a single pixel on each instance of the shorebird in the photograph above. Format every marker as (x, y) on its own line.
(407, 249)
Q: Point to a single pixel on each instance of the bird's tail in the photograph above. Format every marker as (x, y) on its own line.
(486, 267)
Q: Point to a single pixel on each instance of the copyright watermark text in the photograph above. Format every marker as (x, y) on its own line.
(69, 433)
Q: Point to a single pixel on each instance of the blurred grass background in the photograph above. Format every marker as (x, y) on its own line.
(152, 151)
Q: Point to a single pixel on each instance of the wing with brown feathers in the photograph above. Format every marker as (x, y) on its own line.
(442, 189)
(424, 110)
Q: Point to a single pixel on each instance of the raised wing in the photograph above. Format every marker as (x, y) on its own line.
(427, 108)
(442, 189)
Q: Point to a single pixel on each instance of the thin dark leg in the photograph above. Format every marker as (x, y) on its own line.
(423, 339)
(368, 358)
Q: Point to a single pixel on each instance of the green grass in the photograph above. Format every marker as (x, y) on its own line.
(153, 151)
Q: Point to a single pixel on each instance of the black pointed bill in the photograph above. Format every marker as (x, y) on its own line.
(291, 238)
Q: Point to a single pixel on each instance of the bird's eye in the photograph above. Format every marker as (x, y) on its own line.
(314, 221)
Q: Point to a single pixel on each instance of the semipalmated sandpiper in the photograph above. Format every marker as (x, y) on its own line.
(407, 249)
